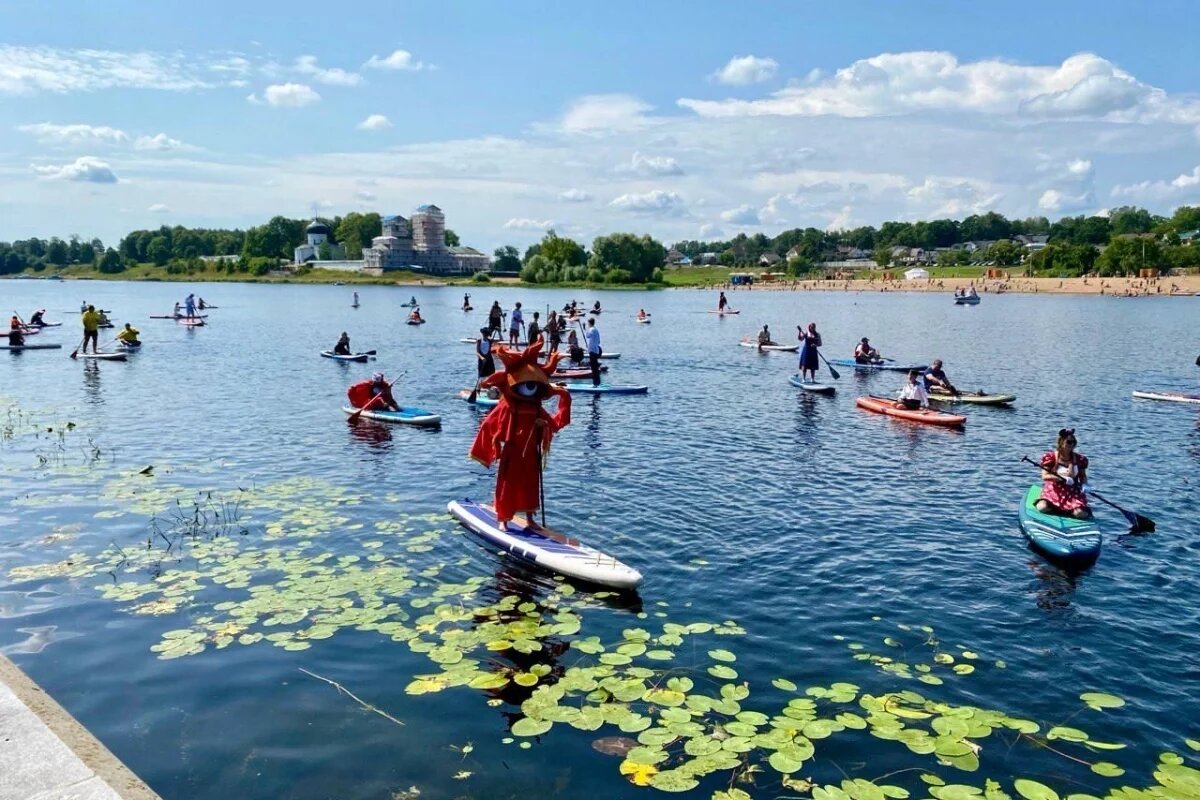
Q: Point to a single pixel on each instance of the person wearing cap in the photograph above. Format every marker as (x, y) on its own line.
(373, 394)
(483, 354)
(91, 328)
(865, 354)
(342, 348)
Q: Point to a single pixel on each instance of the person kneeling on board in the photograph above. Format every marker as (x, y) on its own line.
(342, 348)
(865, 354)
(936, 380)
(1064, 479)
(764, 337)
(129, 336)
(36, 320)
(518, 431)
(16, 333)
(415, 316)
(374, 394)
(574, 351)
(912, 396)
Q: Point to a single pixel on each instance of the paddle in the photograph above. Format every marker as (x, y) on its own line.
(358, 412)
(832, 371)
(1137, 522)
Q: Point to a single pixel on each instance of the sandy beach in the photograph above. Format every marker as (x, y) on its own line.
(1176, 285)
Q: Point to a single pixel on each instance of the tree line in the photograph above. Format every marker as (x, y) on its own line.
(618, 258)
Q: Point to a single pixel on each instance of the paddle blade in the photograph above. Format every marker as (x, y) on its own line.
(834, 373)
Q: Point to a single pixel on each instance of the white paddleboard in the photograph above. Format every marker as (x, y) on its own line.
(1171, 397)
(778, 348)
(815, 388)
(545, 548)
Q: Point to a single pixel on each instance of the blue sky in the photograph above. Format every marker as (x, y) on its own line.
(682, 120)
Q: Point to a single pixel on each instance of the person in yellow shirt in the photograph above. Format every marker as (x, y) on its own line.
(129, 336)
(91, 329)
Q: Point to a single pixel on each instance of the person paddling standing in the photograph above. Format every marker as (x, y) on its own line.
(553, 331)
(91, 329)
(1064, 479)
(809, 353)
(592, 337)
(722, 302)
(495, 319)
(516, 325)
(189, 304)
(534, 330)
(483, 354)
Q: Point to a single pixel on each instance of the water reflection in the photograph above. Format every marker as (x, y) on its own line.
(592, 429)
(376, 435)
(1054, 591)
(91, 382)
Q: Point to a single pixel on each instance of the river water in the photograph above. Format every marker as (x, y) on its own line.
(208, 499)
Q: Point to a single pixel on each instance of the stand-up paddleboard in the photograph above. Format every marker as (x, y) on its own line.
(604, 356)
(191, 323)
(884, 405)
(1063, 538)
(724, 313)
(27, 331)
(467, 340)
(362, 358)
(545, 547)
(481, 399)
(17, 347)
(414, 322)
(642, 321)
(977, 398)
(405, 416)
(607, 388)
(815, 388)
(1170, 397)
(969, 300)
(574, 374)
(177, 316)
(103, 356)
(880, 366)
(468, 308)
(778, 348)
(409, 305)
(45, 325)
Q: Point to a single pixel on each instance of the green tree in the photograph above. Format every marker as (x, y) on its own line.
(1130, 219)
(1005, 253)
(985, 227)
(507, 259)
(882, 255)
(56, 252)
(159, 250)
(324, 252)
(637, 256)
(562, 250)
(111, 262)
(1125, 256)
(451, 238)
(355, 232)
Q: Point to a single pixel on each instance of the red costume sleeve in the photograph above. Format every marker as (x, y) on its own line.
(486, 447)
(1049, 462)
(359, 394)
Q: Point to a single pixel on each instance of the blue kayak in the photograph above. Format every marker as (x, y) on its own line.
(883, 365)
(405, 416)
(607, 388)
(1062, 538)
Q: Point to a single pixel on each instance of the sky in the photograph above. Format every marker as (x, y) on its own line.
(683, 120)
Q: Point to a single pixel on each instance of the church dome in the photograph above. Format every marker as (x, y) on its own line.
(317, 227)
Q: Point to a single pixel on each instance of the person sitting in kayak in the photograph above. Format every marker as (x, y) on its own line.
(936, 380)
(912, 396)
(342, 348)
(415, 316)
(36, 320)
(865, 354)
(722, 302)
(971, 292)
(129, 336)
(374, 394)
(1064, 479)
(764, 337)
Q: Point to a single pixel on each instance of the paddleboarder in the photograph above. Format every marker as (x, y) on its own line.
(516, 325)
(342, 348)
(483, 354)
(518, 431)
(864, 353)
(495, 320)
(534, 330)
(415, 316)
(935, 378)
(466, 302)
(129, 336)
(91, 328)
(722, 303)
(374, 393)
(809, 352)
(764, 337)
(592, 338)
(355, 303)
(574, 351)
(16, 333)
(553, 331)
(177, 313)
(913, 395)
(1064, 479)
(36, 320)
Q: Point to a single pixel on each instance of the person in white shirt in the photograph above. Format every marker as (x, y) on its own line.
(516, 325)
(591, 337)
(913, 395)
(483, 352)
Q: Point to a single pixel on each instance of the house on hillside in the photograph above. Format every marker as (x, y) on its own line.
(769, 260)
(1032, 242)
(793, 253)
(677, 259)
(1189, 237)
(709, 258)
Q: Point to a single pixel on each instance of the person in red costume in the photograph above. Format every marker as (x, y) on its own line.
(373, 395)
(518, 430)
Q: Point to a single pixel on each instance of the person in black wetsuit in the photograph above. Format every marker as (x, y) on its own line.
(342, 348)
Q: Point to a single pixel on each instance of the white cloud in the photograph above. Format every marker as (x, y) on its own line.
(330, 76)
(1080, 166)
(650, 166)
(375, 122)
(744, 215)
(28, 70)
(1082, 86)
(522, 224)
(87, 169)
(397, 60)
(843, 220)
(49, 133)
(744, 70)
(653, 202)
(605, 113)
(287, 95)
(1184, 185)
(574, 196)
(160, 142)
(938, 197)
(365, 196)
(159, 208)
(1058, 201)
(710, 231)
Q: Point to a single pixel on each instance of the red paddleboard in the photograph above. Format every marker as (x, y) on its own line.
(884, 405)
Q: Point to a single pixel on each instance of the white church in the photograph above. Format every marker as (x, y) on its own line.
(316, 234)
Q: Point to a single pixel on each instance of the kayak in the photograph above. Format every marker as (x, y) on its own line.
(415, 322)
(405, 416)
(723, 313)
(884, 405)
(884, 365)
(481, 399)
(16, 347)
(1171, 397)
(779, 348)
(1064, 538)
(191, 323)
(970, 300)
(180, 316)
(815, 388)
(359, 357)
(977, 398)
(607, 388)
(103, 356)
(544, 547)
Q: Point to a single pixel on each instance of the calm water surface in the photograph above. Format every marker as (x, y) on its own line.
(798, 518)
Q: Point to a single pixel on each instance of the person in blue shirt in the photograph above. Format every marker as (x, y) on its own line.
(591, 337)
(516, 325)
(936, 380)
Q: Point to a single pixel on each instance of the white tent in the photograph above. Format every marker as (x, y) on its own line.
(916, 274)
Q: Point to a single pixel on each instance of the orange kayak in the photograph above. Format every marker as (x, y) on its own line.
(884, 405)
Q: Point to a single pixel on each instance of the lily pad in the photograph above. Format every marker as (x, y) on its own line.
(1032, 790)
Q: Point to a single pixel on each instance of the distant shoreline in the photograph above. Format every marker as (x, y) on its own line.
(1173, 286)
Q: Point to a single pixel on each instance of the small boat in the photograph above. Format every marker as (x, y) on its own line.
(103, 356)
(815, 388)
(928, 416)
(977, 398)
(1062, 538)
(724, 313)
(17, 347)
(878, 366)
(607, 388)
(362, 358)
(779, 348)
(405, 416)
(966, 300)
(481, 399)
(1170, 397)
(545, 547)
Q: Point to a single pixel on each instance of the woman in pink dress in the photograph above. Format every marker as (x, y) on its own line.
(1064, 476)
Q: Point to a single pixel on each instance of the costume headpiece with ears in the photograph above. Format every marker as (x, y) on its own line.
(522, 367)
